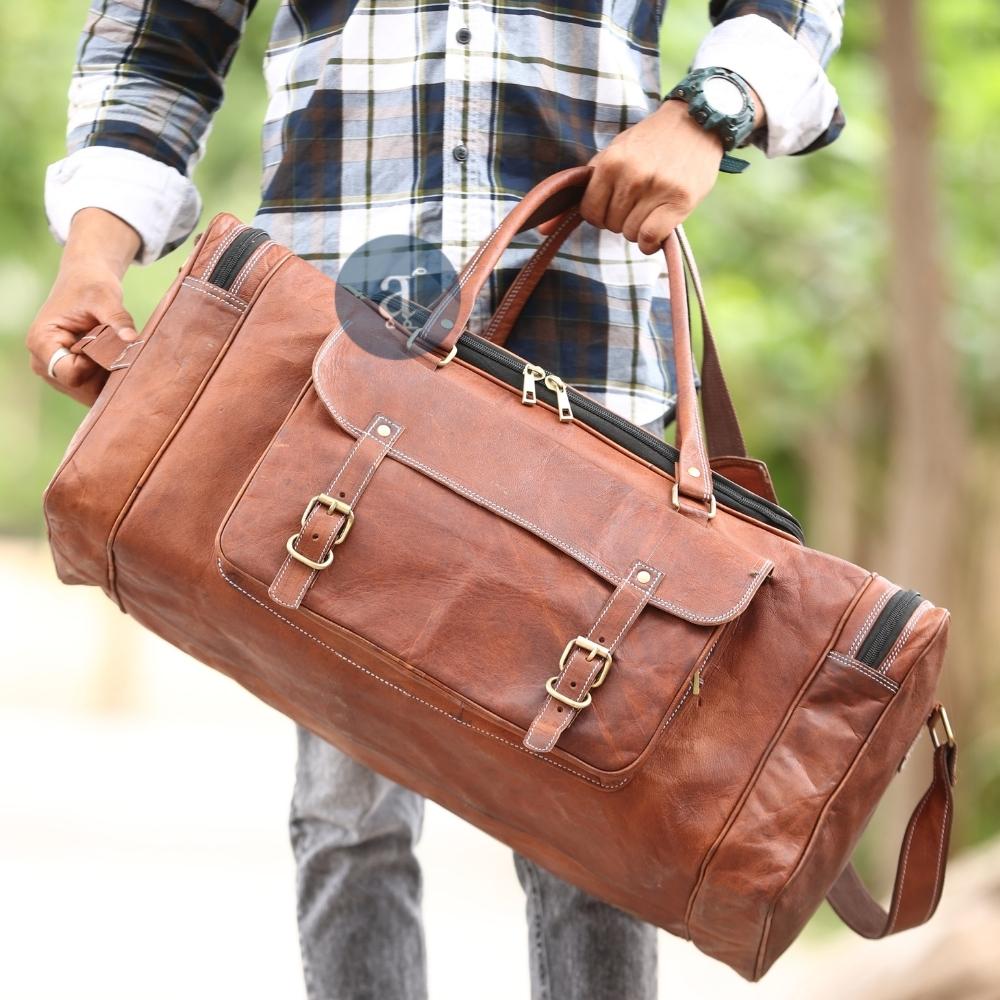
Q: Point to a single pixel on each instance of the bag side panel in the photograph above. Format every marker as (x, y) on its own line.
(145, 401)
(164, 547)
(749, 870)
(856, 798)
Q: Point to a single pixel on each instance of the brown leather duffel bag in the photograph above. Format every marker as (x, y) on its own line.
(597, 648)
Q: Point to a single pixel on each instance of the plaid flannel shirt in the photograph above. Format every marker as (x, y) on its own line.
(431, 119)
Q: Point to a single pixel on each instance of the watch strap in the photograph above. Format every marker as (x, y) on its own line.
(732, 164)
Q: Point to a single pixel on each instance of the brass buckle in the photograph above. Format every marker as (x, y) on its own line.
(675, 499)
(550, 686)
(333, 506)
(593, 649)
(939, 713)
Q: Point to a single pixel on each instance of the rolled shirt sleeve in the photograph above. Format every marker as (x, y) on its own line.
(157, 201)
(781, 49)
(147, 81)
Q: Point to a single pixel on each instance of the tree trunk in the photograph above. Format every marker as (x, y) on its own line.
(926, 484)
(926, 432)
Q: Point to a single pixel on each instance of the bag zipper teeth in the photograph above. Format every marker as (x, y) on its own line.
(888, 627)
(237, 254)
(736, 497)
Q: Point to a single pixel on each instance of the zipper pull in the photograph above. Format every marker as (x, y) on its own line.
(558, 386)
(532, 373)
(696, 685)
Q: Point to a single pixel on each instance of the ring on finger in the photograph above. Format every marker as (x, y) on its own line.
(57, 355)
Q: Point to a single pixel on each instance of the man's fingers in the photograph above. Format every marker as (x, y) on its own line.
(74, 375)
(597, 195)
(656, 227)
(120, 321)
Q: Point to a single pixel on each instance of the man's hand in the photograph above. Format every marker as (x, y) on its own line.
(87, 292)
(652, 175)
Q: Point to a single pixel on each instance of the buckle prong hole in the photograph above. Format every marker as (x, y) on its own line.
(315, 536)
(572, 684)
(342, 494)
(558, 708)
(600, 638)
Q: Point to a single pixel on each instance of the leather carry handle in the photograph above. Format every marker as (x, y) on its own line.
(923, 855)
(722, 426)
(551, 197)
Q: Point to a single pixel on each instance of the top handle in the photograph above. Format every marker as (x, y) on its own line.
(722, 426)
(547, 200)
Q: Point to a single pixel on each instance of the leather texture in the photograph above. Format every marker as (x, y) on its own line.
(711, 747)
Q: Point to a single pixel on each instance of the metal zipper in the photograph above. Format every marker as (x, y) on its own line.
(531, 374)
(237, 254)
(888, 627)
(471, 348)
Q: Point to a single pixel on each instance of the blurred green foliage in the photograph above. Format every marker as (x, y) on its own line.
(794, 251)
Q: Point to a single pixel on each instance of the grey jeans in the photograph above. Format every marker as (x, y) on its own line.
(359, 892)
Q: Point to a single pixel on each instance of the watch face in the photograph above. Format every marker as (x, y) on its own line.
(723, 95)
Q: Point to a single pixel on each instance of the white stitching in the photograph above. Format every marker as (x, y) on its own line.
(432, 320)
(940, 857)
(251, 264)
(403, 691)
(192, 282)
(615, 594)
(221, 249)
(862, 668)
(762, 570)
(288, 559)
(705, 469)
(911, 830)
(529, 270)
(572, 713)
(384, 446)
(121, 357)
(867, 623)
(373, 465)
(690, 688)
(208, 291)
(897, 646)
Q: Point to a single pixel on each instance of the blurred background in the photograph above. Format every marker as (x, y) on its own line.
(855, 294)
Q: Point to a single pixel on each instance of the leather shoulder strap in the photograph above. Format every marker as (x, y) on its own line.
(923, 856)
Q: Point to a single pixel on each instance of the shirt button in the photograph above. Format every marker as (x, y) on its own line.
(460, 152)
(463, 35)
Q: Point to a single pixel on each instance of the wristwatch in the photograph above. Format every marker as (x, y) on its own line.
(719, 101)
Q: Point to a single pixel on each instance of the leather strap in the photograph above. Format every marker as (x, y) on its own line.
(721, 423)
(322, 525)
(923, 858)
(582, 667)
(105, 348)
(528, 278)
(722, 426)
(692, 471)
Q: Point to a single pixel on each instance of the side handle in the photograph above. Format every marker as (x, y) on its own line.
(923, 856)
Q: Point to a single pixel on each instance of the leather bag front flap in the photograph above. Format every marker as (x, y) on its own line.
(487, 535)
(560, 481)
